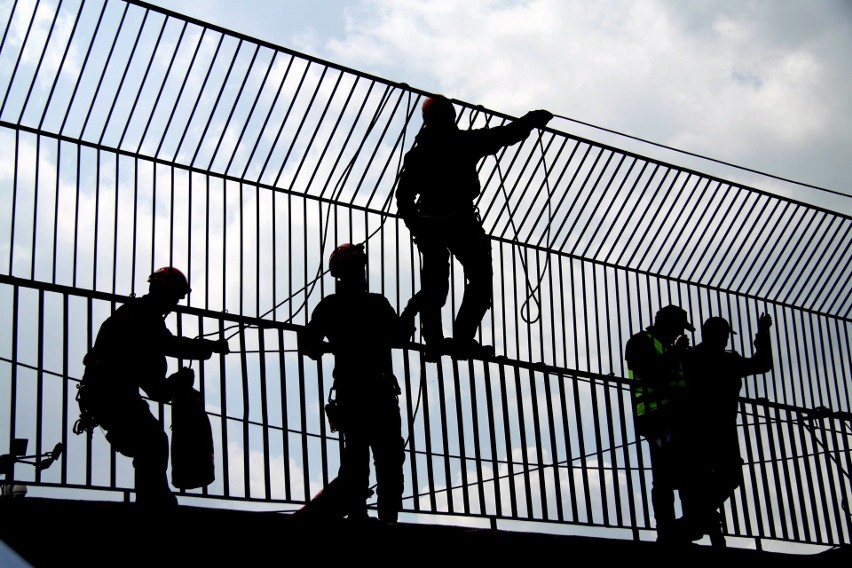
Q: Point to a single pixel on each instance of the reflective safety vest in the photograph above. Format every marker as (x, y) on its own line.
(645, 398)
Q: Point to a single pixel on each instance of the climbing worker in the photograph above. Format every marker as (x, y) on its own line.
(657, 382)
(435, 198)
(129, 354)
(714, 378)
(361, 328)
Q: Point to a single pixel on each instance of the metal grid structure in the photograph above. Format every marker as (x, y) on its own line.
(134, 138)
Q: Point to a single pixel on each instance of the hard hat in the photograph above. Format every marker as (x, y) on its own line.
(438, 109)
(346, 257)
(674, 315)
(716, 325)
(171, 279)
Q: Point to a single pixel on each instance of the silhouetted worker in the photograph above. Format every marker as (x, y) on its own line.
(130, 354)
(437, 188)
(361, 328)
(654, 362)
(714, 378)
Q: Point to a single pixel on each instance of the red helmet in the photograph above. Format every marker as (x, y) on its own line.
(346, 257)
(438, 109)
(171, 279)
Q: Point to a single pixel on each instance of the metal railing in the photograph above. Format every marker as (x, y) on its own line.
(136, 138)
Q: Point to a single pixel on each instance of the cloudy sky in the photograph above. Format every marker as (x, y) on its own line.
(761, 84)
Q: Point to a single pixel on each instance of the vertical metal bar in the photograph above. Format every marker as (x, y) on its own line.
(115, 219)
(569, 454)
(477, 454)
(554, 451)
(223, 405)
(40, 61)
(237, 98)
(224, 83)
(492, 440)
(179, 96)
(8, 24)
(108, 60)
(539, 465)
(445, 444)
(522, 432)
(411, 413)
(284, 123)
(141, 84)
(463, 459)
(262, 129)
(39, 391)
(313, 136)
(507, 434)
(250, 114)
(264, 413)
(120, 86)
(83, 67)
(24, 43)
(66, 398)
(96, 219)
(427, 437)
(285, 415)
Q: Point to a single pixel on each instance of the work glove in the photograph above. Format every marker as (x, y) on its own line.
(764, 322)
(220, 346)
(538, 118)
(182, 379)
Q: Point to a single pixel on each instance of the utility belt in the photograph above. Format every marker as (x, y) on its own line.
(346, 396)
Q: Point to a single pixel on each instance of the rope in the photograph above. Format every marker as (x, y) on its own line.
(703, 157)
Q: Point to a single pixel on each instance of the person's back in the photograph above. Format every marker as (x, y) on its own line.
(442, 166)
(129, 351)
(361, 328)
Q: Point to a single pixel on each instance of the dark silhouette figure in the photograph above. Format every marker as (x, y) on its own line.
(435, 198)
(714, 378)
(130, 354)
(654, 362)
(361, 328)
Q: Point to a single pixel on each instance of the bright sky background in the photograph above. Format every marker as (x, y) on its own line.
(763, 84)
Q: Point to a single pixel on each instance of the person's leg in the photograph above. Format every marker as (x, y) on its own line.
(662, 492)
(472, 249)
(389, 457)
(355, 471)
(151, 461)
(434, 287)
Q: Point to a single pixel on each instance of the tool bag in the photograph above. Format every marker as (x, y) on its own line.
(192, 441)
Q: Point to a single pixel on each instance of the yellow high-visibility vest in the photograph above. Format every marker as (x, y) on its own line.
(645, 399)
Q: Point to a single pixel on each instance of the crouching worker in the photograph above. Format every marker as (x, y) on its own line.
(361, 328)
(130, 354)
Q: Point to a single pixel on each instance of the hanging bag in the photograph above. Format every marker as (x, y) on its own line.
(192, 441)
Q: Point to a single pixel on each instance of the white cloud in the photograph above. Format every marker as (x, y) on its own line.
(758, 84)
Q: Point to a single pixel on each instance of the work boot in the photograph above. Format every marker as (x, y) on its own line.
(467, 348)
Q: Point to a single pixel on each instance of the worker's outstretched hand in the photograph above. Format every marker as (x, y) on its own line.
(183, 378)
(764, 322)
(539, 118)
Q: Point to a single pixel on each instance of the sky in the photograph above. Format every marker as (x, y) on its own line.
(759, 84)
(763, 84)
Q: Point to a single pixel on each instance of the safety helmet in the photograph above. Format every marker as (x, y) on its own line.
(716, 326)
(438, 109)
(674, 316)
(345, 258)
(170, 279)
